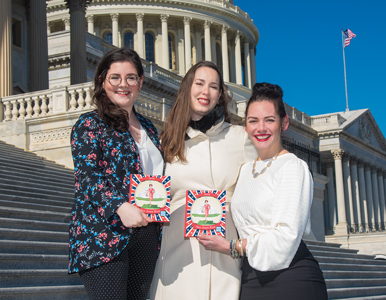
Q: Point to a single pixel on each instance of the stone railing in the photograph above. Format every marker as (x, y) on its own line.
(79, 97)
(297, 115)
(333, 119)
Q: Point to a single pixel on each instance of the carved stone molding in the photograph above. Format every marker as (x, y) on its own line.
(51, 135)
(224, 28)
(337, 153)
(77, 5)
(114, 17)
(90, 18)
(187, 20)
(164, 18)
(139, 16)
(207, 24)
(66, 21)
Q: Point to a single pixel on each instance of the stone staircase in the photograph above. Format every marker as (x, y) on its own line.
(36, 197)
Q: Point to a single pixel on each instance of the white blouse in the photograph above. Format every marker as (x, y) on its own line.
(151, 158)
(272, 211)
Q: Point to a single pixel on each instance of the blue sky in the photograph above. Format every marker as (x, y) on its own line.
(300, 49)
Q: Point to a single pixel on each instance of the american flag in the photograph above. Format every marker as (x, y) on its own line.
(348, 35)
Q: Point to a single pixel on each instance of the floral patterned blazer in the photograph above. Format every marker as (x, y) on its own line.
(103, 161)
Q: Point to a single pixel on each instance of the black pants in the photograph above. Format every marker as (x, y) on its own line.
(127, 276)
(302, 280)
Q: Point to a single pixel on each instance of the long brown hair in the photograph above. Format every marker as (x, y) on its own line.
(173, 135)
(109, 112)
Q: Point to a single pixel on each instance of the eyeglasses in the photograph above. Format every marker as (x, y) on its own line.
(115, 80)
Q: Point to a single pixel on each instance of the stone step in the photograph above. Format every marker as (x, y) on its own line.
(340, 254)
(383, 297)
(52, 177)
(32, 261)
(319, 243)
(332, 249)
(27, 166)
(43, 277)
(349, 292)
(33, 247)
(333, 274)
(33, 224)
(31, 214)
(65, 207)
(8, 194)
(60, 292)
(37, 182)
(342, 260)
(55, 201)
(362, 282)
(352, 267)
(23, 167)
(33, 235)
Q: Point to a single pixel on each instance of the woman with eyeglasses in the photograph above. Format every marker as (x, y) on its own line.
(113, 245)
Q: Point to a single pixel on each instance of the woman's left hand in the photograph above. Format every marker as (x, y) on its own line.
(215, 243)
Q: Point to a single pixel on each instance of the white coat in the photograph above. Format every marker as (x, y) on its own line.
(185, 270)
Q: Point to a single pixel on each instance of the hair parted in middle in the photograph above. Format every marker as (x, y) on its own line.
(173, 135)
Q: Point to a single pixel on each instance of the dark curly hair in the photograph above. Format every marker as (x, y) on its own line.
(109, 112)
(268, 92)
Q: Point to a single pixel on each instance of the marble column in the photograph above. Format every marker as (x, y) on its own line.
(369, 195)
(363, 196)
(49, 24)
(208, 48)
(356, 196)
(224, 51)
(239, 71)
(78, 41)
(165, 42)
(253, 65)
(381, 190)
(90, 23)
(232, 75)
(38, 46)
(341, 227)
(140, 36)
(181, 48)
(114, 27)
(67, 23)
(198, 34)
(374, 182)
(331, 195)
(213, 34)
(6, 82)
(188, 43)
(247, 65)
(348, 192)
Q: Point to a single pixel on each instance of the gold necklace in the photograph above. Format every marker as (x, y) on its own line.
(256, 174)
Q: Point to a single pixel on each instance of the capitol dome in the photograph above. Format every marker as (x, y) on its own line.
(217, 30)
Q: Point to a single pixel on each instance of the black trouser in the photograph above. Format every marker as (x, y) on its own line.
(302, 280)
(129, 275)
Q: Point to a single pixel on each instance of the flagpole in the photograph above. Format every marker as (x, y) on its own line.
(345, 79)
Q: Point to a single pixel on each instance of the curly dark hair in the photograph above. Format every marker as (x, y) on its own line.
(109, 112)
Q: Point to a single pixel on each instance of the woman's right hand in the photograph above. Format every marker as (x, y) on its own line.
(132, 216)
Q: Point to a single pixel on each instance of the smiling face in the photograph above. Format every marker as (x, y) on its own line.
(122, 95)
(205, 92)
(264, 128)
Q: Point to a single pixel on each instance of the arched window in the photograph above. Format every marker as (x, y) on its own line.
(172, 51)
(149, 44)
(108, 37)
(128, 40)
